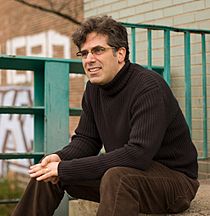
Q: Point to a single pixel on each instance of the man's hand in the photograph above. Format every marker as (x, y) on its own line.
(47, 170)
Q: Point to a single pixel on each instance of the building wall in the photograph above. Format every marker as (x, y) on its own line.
(177, 13)
(30, 32)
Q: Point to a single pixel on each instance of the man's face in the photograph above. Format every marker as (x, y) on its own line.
(101, 65)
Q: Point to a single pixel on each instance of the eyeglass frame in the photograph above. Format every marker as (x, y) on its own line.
(84, 53)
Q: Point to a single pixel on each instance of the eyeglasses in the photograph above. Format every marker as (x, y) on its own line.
(98, 50)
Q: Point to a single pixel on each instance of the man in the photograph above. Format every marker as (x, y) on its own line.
(150, 164)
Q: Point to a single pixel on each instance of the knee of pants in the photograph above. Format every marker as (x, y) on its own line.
(112, 177)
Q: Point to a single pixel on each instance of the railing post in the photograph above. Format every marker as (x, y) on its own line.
(204, 89)
(187, 57)
(38, 118)
(167, 57)
(133, 43)
(57, 114)
(149, 48)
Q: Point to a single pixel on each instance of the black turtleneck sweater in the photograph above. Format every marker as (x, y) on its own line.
(137, 120)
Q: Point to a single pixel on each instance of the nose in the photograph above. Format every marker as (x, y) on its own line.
(90, 58)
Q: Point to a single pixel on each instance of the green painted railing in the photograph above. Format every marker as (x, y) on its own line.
(187, 66)
(50, 108)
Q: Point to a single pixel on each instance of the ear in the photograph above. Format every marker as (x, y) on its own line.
(121, 53)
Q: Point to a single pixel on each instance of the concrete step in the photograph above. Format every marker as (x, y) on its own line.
(82, 208)
(204, 169)
(199, 206)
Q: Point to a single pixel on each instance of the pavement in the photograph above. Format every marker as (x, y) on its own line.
(199, 206)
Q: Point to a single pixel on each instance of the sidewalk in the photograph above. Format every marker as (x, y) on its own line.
(200, 205)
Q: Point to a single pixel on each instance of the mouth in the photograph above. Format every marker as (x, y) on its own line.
(93, 70)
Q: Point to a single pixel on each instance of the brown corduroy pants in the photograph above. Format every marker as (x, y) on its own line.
(122, 191)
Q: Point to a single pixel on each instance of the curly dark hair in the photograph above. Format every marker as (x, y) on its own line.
(105, 25)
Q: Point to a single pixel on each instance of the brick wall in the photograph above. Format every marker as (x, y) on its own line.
(176, 13)
(20, 22)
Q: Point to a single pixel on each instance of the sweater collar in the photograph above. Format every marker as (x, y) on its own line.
(118, 82)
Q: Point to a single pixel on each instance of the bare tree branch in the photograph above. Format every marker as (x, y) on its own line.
(58, 13)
